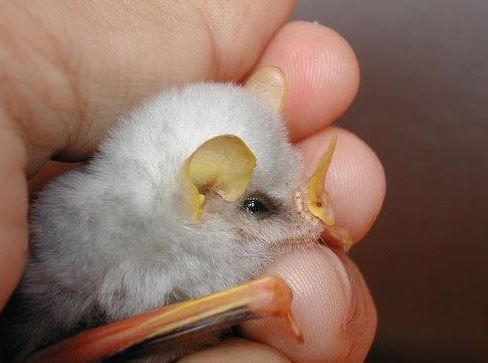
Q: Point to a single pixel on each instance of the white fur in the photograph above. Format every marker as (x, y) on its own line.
(114, 238)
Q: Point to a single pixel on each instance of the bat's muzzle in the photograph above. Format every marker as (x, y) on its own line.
(314, 203)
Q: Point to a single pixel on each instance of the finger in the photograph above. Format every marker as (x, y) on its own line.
(355, 182)
(332, 306)
(13, 209)
(238, 351)
(322, 74)
(78, 65)
(321, 70)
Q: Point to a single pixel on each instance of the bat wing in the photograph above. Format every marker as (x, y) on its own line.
(173, 329)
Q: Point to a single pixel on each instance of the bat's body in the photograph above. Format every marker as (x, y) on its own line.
(115, 238)
(139, 227)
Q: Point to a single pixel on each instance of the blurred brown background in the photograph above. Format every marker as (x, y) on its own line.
(423, 106)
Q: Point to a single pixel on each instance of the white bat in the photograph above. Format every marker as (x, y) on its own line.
(193, 192)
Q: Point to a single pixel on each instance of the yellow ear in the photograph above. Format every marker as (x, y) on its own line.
(223, 165)
(270, 84)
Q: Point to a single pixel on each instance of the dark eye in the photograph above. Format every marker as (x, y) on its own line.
(254, 206)
(260, 205)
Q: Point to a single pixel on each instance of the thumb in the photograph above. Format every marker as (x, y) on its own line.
(331, 305)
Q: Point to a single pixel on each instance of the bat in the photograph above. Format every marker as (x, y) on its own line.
(154, 248)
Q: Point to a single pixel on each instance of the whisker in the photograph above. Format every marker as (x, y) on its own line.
(322, 241)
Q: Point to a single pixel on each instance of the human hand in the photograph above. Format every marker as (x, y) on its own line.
(68, 69)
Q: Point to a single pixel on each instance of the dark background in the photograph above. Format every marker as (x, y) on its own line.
(423, 107)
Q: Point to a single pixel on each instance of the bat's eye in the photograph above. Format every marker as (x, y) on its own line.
(257, 206)
(254, 205)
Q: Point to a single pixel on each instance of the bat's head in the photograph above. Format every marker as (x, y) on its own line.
(211, 174)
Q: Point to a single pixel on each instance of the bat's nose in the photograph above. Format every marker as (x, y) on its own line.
(317, 197)
(314, 201)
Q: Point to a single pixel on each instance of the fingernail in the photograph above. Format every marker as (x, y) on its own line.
(341, 270)
(361, 318)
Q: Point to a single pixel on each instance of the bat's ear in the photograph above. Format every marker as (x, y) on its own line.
(223, 165)
(270, 84)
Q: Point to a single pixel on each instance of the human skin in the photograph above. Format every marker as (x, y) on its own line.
(68, 69)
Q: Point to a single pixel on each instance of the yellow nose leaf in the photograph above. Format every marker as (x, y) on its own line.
(223, 165)
(317, 194)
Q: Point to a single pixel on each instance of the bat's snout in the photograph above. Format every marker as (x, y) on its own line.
(313, 203)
